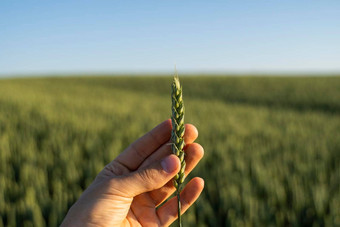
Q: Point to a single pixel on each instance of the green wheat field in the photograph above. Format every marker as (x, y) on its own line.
(272, 144)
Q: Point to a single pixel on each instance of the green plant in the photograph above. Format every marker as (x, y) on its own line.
(177, 137)
(55, 137)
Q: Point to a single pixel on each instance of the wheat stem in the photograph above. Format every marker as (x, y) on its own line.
(177, 139)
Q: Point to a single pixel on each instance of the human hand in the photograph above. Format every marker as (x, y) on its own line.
(130, 188)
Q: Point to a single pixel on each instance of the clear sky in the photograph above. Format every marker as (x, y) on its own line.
(65, 36)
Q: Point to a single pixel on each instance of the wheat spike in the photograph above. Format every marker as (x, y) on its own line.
(177, 139)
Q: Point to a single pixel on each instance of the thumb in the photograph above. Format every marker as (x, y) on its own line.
(151, 177)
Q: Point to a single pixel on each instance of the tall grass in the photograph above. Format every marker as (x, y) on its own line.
(272, 145)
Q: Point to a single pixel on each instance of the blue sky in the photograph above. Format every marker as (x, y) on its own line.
(151, 36)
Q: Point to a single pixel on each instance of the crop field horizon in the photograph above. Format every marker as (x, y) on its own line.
(272, 144)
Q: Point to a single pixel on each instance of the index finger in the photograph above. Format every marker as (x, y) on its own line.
(133, 156)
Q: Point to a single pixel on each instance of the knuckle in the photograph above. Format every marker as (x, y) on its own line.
(148, 177)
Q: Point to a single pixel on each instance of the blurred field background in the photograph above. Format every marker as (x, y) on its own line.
(272, 144)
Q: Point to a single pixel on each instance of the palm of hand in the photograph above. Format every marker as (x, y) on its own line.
(129, 189)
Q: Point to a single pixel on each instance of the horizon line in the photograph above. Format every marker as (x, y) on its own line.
(170, 73)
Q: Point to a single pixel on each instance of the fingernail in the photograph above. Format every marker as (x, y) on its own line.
(169, 164)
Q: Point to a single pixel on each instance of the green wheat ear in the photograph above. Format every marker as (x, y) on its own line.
(177, 139)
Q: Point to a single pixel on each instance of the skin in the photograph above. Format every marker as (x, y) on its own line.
(130, 188)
